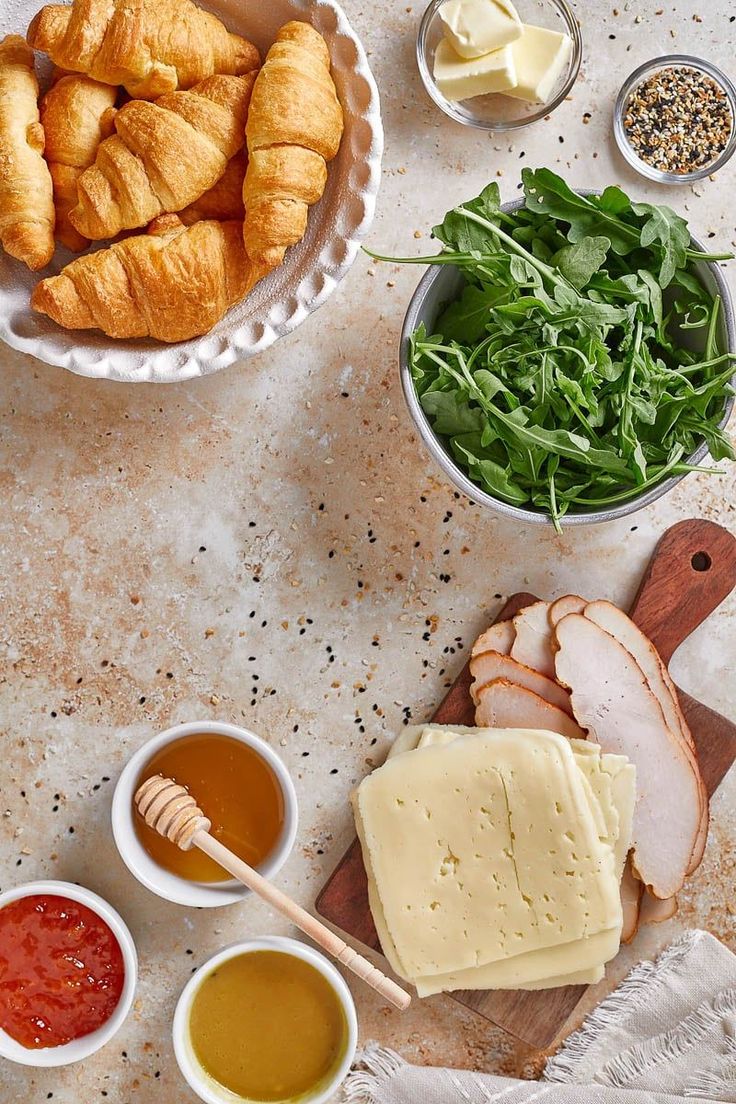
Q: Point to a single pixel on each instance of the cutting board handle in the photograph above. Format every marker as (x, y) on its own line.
(691, 572)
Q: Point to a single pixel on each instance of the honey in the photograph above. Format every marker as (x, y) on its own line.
(267, 1026)
(234, 786)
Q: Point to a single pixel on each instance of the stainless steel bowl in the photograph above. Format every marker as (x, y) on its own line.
(440, 285)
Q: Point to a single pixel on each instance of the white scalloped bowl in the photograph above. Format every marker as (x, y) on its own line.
(312, 270)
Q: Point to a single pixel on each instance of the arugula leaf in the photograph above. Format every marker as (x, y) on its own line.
(466, 319)
(578, 263)
(452, 412)
(663, 225)
(458, 232)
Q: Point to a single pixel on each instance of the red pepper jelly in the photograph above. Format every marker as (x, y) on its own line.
(61, 971)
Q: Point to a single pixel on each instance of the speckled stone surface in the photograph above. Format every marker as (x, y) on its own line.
(271, 546)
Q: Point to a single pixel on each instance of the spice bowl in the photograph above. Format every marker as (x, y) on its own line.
(211, 1090)
(636, 88)
(85, 1045)
(496, 111)
(126, 822)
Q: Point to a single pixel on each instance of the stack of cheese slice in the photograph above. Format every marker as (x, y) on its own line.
(494, 857)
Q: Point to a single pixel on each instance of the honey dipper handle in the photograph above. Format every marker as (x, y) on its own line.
(310, 925)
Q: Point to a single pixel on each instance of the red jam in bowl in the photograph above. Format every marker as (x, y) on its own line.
(61, 971)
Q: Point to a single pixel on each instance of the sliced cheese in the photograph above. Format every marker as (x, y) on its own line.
(560, 962)
(492, 838)
(540, 57)
(461, 78)
(611, 782)
(581, 977)
(475, 27)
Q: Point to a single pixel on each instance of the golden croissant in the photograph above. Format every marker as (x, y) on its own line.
(294, 127)
(149, 46)
(224, 200)
(77, 114)
(172, 284)
(163, 157)
(26, 192)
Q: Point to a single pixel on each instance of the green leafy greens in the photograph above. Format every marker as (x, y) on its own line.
(565, 376)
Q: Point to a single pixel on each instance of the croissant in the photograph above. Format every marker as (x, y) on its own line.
(294, 127)
(163, 156)
(77, 114)
(172, 283)
(224, 200)
(26, 193)
(149, 46)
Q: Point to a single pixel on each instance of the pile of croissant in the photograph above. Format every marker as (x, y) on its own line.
(160, 130)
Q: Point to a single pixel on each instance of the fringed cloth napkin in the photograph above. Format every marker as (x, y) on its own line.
(667, 1033)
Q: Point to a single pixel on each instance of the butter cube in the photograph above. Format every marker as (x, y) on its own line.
(476, 27)
(540, 57)
(461, 78)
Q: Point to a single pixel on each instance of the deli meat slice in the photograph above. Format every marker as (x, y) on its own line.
(612, 699)
(615, 622)
(498, 638)
(502, 704)
(489, 666)
(533, 643)
(632, 892)
(654, 911)
(569, 603)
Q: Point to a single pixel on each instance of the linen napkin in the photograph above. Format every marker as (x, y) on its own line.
(668, 1033)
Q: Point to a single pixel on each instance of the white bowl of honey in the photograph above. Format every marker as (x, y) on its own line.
(265, 1020)
(244, 789)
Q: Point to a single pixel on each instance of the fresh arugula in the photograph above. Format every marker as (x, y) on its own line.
(580, 364)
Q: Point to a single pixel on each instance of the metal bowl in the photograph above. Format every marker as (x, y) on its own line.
(442, 284)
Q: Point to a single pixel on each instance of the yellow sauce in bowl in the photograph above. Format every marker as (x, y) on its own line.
(267, 1026)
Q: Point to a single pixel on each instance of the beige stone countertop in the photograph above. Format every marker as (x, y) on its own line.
(271, 546)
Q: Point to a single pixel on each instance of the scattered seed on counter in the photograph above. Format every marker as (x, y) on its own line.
(678, 120)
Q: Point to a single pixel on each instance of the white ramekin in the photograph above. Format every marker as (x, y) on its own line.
(202, 1084)
(170, 886)
(83, 1047)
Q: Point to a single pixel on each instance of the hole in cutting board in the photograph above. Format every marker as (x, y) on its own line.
(701, 561)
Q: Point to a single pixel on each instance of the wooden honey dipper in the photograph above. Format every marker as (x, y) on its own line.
(172, 812)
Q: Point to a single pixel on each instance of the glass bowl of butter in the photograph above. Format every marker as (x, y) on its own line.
(496, 64)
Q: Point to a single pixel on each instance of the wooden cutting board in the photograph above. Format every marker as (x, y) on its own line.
(691, 572)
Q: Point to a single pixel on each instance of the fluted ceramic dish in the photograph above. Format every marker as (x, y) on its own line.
(312, 270)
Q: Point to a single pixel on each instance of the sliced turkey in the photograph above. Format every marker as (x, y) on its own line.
(569, 603)
(533, 643)
(654, 911)
(631, 896)
(612, 699)
(615, 622)
(503, 704)
(489, 666)
(498, 638)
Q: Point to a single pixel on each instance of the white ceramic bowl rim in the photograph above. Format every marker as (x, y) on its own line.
(281, 302)
(457, 476)
(162, 882)
(203, 1085)
(86, 1045)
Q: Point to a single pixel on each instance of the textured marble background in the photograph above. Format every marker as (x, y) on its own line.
(270, 546)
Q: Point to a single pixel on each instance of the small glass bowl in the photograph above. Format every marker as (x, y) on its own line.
(496, 111)
(668, 61)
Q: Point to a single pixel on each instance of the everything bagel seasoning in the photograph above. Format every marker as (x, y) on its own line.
(678, 120)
